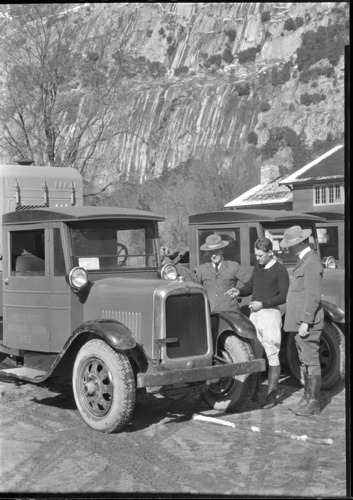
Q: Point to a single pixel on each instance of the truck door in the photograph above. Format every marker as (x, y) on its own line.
(26, 289)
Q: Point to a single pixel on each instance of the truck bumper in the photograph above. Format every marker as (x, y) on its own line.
(209, 373)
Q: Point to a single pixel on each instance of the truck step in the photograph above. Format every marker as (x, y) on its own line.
(25, 373)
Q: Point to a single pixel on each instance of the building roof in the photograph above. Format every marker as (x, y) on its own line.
(329, 166)
(250, 215)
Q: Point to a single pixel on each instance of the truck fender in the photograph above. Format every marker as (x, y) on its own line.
(115, 333)
(240, 325)
(333, 312)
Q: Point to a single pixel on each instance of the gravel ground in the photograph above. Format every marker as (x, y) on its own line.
(45, 447)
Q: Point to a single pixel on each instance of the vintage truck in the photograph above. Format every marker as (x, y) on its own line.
(84, 296)
(241, 228)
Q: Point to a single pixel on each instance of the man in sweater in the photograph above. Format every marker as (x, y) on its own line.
(268, 286)
(220, 276)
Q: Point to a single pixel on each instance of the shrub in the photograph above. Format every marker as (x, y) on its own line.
(279, 76)
(289, 24)
(285, 137)
(252, 138)
(308, 99)
(156, 68)
(161, 31)
(265, 106)
(231, 34)
(169, 39)
(149, 33)
(247, 55)
(265, 16)
(215, 60)
(299, 21)
(227, 56)
(314, 85)
(243, 88)
(326, 42)
(267, 34)
(170, 50)
(291, 107)
(182, 70)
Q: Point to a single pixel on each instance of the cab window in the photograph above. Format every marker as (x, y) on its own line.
(27, 251)
(231, 251)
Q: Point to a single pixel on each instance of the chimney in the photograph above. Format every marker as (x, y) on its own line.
(269, 173)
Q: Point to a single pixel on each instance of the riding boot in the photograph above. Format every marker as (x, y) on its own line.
(312, 406)
(273, 376)
(297, 406)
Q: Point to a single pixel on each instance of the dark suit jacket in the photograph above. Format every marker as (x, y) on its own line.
(217, 283)
(304, 295)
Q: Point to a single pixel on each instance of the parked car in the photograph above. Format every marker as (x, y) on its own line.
(241, 228)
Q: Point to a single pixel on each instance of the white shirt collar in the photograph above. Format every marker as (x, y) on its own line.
(303, 252)
(270, 263)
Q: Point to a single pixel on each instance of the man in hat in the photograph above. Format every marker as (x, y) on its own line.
(304, 315)
(269, 287)
(220, 276)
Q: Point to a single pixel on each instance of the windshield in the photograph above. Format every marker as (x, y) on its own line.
(275, 233)
(109, 245)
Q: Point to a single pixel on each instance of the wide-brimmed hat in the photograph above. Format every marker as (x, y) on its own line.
(214, 242)
(294, 235)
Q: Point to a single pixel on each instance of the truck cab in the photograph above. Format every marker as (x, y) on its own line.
(84, 296)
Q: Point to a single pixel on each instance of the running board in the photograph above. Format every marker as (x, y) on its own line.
(25, 373)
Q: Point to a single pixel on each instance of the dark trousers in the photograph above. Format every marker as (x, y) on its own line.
(308, 352)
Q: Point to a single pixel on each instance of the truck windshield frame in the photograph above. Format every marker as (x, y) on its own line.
(101, 245)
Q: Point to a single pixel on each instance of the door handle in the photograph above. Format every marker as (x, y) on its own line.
(6, 281)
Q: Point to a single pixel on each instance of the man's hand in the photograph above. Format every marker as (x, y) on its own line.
(233, 292)
(303, 330)
(255, 306)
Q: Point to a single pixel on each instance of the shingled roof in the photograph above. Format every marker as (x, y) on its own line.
(329, 166)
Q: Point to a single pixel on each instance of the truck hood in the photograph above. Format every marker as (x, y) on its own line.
(129, 301)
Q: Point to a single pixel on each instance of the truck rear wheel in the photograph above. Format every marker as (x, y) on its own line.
(104, 386)
(332, 356)
(232, 394)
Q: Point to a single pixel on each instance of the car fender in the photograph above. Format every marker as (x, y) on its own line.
(333, 312)
(115, 333)
(240, 325)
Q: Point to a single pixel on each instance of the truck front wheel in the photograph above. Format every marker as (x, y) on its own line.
(104, 386)
(232, 394)
(332, 356)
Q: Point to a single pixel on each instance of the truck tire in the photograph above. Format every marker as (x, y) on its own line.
(332, 356)
(104, 386)
(232, 394)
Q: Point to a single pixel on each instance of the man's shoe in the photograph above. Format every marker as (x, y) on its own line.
(312, 406)
(298, 406)
(273, 376)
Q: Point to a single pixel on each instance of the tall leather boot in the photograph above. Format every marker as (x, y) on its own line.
(312, 406)
(273, 376)
(305, 397)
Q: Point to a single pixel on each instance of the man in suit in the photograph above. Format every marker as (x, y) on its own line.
(304, 315)
(219, 277)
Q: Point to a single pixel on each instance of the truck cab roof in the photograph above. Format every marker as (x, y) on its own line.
(64, 214)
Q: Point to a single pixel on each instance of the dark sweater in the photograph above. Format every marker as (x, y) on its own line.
(269, 286)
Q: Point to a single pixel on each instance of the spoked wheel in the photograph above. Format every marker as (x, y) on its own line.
(232, 394)
(332, 356)
(104, 386)
(122, 254)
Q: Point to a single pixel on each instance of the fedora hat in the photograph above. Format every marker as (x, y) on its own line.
(294, 235)
(214, 242)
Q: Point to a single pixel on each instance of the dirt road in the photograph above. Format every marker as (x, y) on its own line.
(45, 447)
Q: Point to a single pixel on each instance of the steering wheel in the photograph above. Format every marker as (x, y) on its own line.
(122, 254)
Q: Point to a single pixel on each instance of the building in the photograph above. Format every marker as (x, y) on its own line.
(317, 188)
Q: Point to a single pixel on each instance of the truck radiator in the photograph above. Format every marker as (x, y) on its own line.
(186, 320)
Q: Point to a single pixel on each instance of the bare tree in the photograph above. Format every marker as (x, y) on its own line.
(61, 95)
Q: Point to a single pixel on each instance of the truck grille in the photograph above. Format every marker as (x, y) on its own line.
(186, 320)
